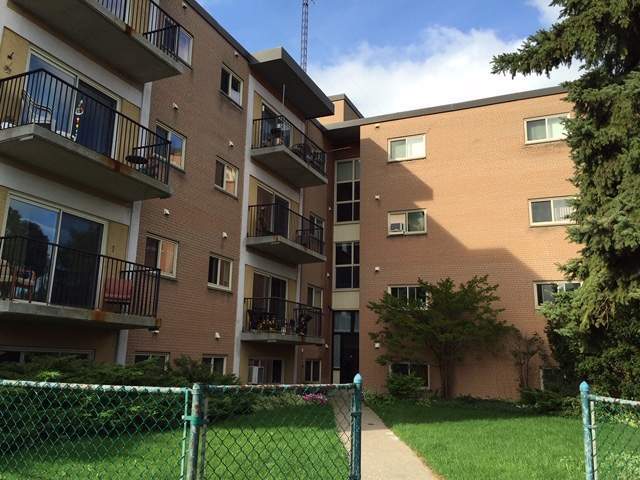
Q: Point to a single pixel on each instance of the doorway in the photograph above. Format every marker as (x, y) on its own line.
(346, 356)
(273, 213)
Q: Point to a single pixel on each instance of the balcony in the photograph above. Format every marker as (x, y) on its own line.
(137, 38)
(276, 231)
(282, 148)
(46, 281)
(53, 127)
(276, 320)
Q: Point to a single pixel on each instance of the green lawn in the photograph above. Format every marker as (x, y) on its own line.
(276, 443)
(488, 440)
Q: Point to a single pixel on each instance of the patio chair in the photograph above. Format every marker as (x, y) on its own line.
(17, 277)
(118, 292)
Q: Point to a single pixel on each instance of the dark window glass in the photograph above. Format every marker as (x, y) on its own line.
(6, 356)
(220, 174)
(356, 277)
(343, 254)
(344, 212)
(151, 252)
(224, 81)
(213, 270)
(541, 211)
(356, 211)
(356, 189)
(343, 277)
(356, 253)
(400, 368)
(344, 192)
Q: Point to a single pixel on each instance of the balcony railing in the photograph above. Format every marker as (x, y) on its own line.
(146, 16)
(274, 219)
(276, 315)
(42, 272)
(278, 131)
(40, 98)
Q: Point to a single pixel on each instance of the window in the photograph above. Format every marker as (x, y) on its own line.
(161, 358)
(163, 254)
(317, 226)
(312, 371)
(546, 291)
(185, 46)
(220, 272)
(226, 177)
(216, 364)
(407, 223)
(545, 129)
(551, 211)
(264, 371)
(348, 265)
(9, 354)
(314, 296)
(348, 191)
(411, 368)
(407, 148)
(409, 292)
(231, 85)
(176, 147)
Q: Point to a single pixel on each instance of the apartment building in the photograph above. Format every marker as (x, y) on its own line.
(76, 162)
(475, 188)
(165, 192)
(246, 216)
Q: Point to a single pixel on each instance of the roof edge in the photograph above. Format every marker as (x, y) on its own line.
(347, 100)
(451, 107)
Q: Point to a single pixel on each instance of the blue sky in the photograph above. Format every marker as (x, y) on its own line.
(391, 55)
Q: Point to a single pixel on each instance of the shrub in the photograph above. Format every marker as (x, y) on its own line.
(406, 387)
(548, 402)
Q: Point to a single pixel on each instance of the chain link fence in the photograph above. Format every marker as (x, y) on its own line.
(71, 431)
(611, 436)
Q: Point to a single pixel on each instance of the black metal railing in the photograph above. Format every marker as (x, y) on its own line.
(146, 16)
(274, 219)
(272, 132)
(277, 315)
(40, 98)
(43, 272)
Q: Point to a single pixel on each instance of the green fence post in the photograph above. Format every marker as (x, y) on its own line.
(196, 420)
(356, 429)
(587, 430)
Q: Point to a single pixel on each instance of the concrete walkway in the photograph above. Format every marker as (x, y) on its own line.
(385, 456)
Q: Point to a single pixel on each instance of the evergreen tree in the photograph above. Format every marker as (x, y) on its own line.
(603, 36)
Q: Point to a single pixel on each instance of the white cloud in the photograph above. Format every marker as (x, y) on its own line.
(546, 13)
(446, 65)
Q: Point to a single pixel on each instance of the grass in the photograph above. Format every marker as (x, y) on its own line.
(270, 443)
(492, 440)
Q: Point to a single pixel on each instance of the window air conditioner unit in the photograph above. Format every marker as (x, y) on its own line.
(396, 228)
(256, 374)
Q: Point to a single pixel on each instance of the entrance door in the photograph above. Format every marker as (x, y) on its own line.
(346, 357)
(94, 121)
(75, 279)
(349, 358)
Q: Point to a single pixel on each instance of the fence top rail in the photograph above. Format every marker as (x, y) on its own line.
(92, 387)
(281, 387)
(620, 401)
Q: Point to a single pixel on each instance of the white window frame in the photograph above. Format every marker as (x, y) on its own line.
(263, 361)
(217, 286)
(546, 119)
(153, 355)
(231, 76)
(227, 165)
(312, 381)
(22, 351)
(406, 138)
(407, 287)
(175, 257)
(350, 265)
(170, 133)
(405, 225)
(553, 220)
(317, 221)
(561, 288)
(190, 55)
(353, 180)
(409, 365)
(210, 363)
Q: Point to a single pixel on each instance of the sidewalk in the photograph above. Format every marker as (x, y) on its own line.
(385, 456)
